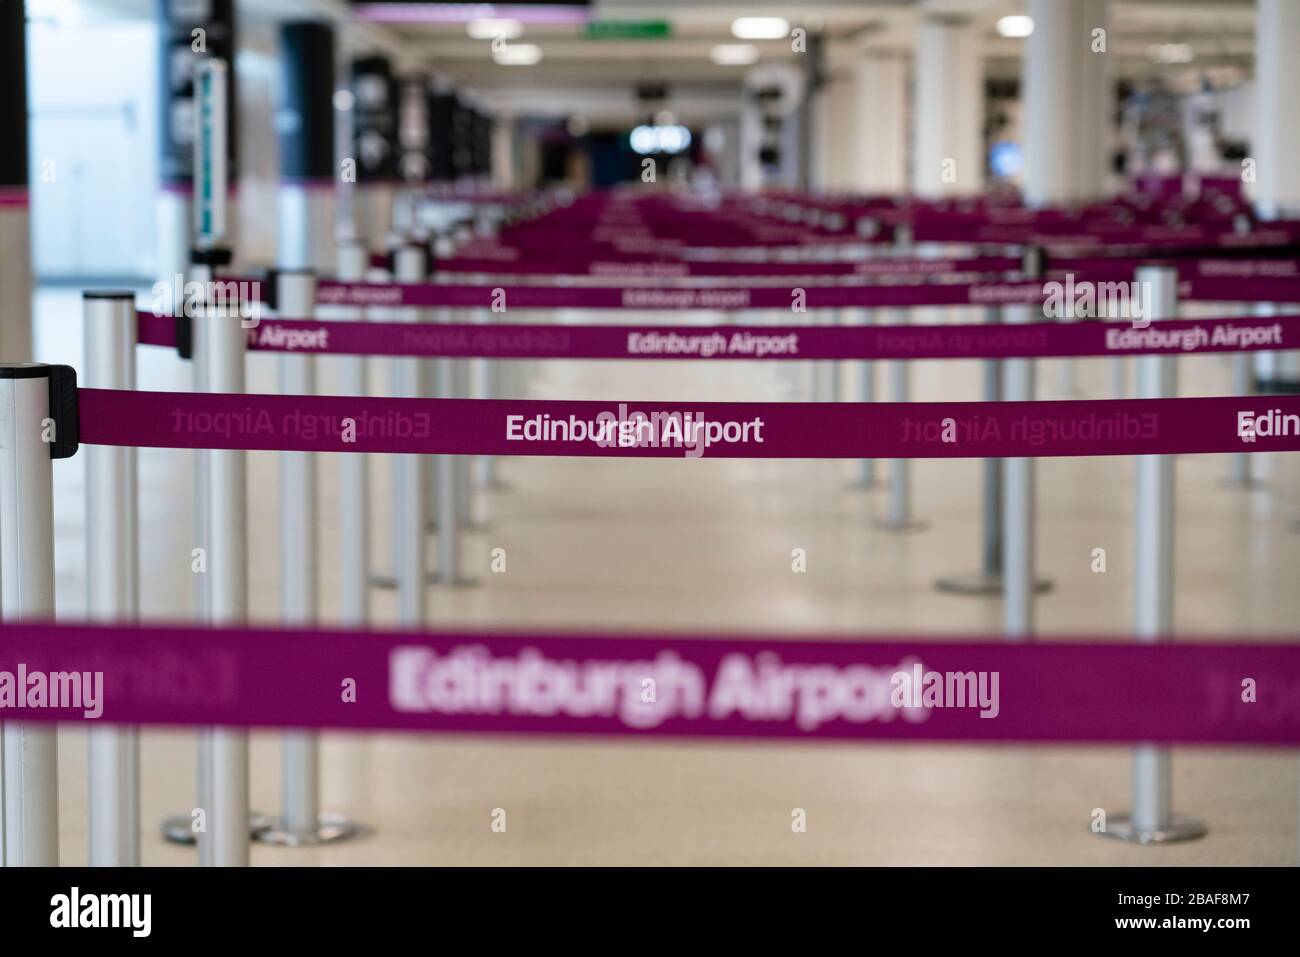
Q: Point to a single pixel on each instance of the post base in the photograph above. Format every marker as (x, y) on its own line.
(387, 579)
(1120, 827)
(1249, 485)
(982, 583)
(178, 829)
(902, 527)
(330, 828)
(456, 581)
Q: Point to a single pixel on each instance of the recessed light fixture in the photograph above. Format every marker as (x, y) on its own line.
(1016, 27)
(517, 54)
(660, 139)
(734, 54)
(491, 28)
(760, 28)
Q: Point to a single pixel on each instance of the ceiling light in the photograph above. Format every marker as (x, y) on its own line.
(490, 29)
(1015, 26)
(660, 139)
(517, 54)
(734, 54)
(760, 28)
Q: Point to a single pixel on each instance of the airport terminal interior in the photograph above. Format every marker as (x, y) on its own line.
(827, 180)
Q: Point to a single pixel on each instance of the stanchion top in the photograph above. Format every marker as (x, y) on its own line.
(25, 370)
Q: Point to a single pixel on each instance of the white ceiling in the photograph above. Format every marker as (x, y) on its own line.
(1217, 30)
(575, 70)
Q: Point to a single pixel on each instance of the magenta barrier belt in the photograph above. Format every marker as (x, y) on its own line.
(550, 341)
(654, 298)
(679, 269)
(873, 268)
(183, 420)
(505, 298)
(724, 687)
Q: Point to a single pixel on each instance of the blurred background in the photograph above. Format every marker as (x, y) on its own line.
(835, 95)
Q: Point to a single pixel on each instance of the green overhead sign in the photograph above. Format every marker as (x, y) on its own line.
(628, 30)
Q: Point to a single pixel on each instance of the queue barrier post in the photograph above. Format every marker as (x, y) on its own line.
(301, 823)
(988, 580)
(112, 578)
(29, 836)
(223, 841)
(210, 179)
(485, 376)
(1019, 489)
(410, 490)
(179, 828)
(413, 271)
(1243, 384)
(354, 475)
(462, 471)
(451, 478)
(865, 469)
(835, 383)
(1152, 820)
(898, 514)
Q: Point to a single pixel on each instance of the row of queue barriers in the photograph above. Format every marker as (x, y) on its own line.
(49, 411)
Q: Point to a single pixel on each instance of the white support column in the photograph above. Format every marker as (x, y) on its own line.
(29, 809)
(830, 135)
(1067, 102)
(949, 108)
(1276, 145)
(877, 120)
(1277, 117)
(112, 583)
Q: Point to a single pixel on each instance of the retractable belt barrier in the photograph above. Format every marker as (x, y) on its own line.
(906, 430)
(595, 685)
(501, 298)
(510, 260)
(592, 341)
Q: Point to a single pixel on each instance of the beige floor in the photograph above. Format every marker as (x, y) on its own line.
(705, 545)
